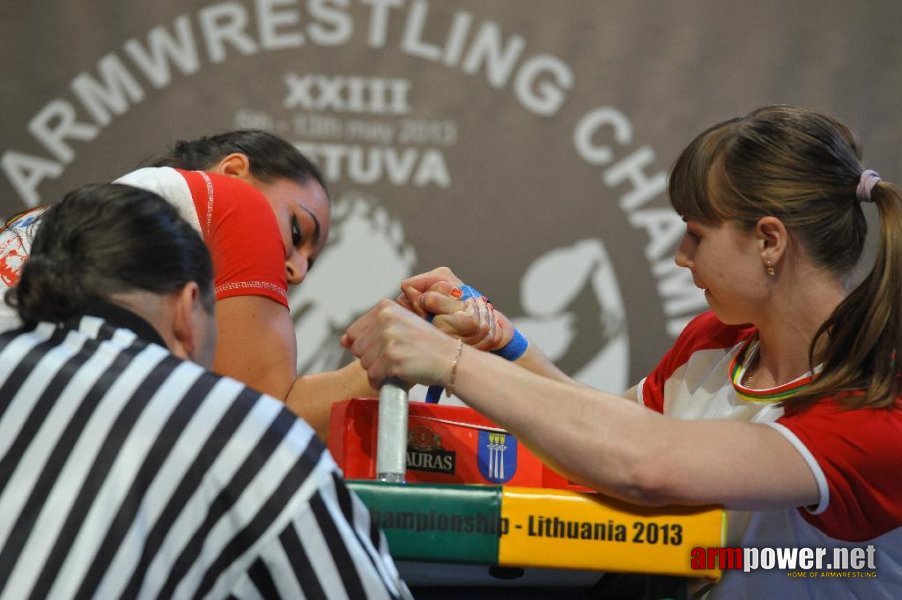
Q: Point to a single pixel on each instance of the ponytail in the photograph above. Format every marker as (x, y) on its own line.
(863, 336)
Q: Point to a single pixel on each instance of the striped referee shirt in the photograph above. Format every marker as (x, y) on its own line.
(128, 472)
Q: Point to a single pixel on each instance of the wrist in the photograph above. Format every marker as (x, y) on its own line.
(514, 344)
(448, 373)
(515, 348)
(452, 376)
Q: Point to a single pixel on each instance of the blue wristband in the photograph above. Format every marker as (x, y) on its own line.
(468, 292)
(518, 344)
(515, 348)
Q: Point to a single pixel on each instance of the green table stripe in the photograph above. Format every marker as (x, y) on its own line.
(436, 523)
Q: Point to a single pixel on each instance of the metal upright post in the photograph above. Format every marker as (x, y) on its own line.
(391, 438)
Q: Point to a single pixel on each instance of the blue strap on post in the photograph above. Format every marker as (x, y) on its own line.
(513, 350)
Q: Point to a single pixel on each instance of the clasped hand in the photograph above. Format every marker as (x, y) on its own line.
(394, 339)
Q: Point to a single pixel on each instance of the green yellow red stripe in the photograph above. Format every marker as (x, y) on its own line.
(538, 527)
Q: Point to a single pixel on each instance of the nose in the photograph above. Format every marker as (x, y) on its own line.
(296, 267)
(682, 257)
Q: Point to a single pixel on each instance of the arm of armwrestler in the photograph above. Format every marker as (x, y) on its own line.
(535, 361)
(311, 397)
(453, 319)
(632, 394)
(630, 452)
(256, 343)
(257, 346)
(620, 448)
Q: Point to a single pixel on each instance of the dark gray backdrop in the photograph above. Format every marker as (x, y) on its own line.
(524, 143)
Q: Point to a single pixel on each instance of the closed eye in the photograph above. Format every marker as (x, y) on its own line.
(693, 233)
(296, 236)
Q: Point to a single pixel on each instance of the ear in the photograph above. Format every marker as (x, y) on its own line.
(235, 164)
(772, 239)
(184, 326)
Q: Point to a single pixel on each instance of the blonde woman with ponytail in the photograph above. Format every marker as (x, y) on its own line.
(781, 403)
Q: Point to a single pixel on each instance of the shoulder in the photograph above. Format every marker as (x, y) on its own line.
(169, 184)
(828, 423)
(704, 332)
(26, 219)
(210, 412)
(227, 202)
(222, 188)
(704, 341)
(243, 235)
(15, 246)
(164, 181)
(872, 427)
(856, 457)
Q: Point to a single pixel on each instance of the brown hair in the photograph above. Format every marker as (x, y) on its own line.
(803, 167)
(271, 157)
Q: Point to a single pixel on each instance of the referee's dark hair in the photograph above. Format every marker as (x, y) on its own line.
(106, 239)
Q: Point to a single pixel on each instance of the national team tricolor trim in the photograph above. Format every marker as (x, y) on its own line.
(738, 368)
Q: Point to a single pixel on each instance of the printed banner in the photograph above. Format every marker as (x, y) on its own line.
(532, 527)
(524, 144)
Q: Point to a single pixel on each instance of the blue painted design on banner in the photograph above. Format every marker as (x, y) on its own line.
(496, 456)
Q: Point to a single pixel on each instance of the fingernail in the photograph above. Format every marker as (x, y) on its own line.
(457, 292)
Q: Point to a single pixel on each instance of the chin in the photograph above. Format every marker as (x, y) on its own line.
(724, 316)
(729, 318)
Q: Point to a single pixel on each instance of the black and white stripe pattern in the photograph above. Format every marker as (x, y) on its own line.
(126, 472)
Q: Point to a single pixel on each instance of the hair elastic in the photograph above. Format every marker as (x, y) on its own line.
(866, 183)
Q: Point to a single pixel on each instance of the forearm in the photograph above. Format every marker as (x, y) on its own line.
(311, 397)
(535, 361)
(619, 447)
(592, 437)
(630, 452)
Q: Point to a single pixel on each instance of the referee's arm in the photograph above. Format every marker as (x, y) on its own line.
(331, 548)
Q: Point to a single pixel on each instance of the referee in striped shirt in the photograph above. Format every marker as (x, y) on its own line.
(129, 470)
